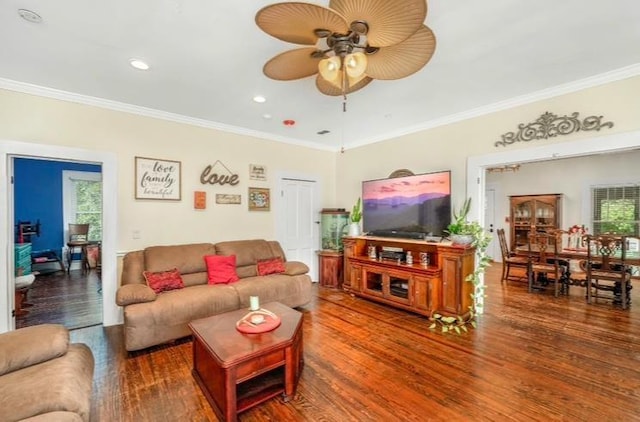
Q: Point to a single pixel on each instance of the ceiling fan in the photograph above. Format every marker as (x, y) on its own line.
(353, 41)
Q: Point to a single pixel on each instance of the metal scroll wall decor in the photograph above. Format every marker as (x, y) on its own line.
(550, 125)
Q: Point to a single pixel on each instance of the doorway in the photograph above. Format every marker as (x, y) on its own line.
(298, 214)
(476, 166)
(62, 291)
(111, 314)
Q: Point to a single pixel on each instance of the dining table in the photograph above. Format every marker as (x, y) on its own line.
(632, 257)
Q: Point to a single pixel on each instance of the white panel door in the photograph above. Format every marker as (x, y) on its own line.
(301, 237)
(490, 223)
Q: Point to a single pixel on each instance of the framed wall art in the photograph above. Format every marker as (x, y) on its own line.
(258, 172)
(157, 179)
(227, 198)
(200, 200)
(259, 199)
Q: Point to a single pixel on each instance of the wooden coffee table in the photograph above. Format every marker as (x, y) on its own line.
(237, 371)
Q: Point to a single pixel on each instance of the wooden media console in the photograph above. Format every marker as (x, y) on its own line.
(439, 286)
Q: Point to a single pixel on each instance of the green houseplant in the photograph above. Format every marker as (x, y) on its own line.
(461, 230)
(355, 217)
(479, 239)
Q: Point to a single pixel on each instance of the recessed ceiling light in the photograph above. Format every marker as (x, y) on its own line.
(139, 64)
(29, 15)
(259, 99)
(266, 116)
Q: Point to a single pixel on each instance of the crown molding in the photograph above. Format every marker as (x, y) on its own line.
(578, 85)
(589, 82)
(57, 94)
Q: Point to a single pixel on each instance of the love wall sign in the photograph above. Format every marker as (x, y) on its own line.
(157, 179)
(211, 175)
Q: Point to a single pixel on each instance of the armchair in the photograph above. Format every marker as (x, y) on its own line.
(43, 377)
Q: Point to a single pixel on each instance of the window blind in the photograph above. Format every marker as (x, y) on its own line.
(616, 209)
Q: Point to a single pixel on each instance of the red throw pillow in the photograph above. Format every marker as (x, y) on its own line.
(164, 280)
(270, 266)
(221, 269)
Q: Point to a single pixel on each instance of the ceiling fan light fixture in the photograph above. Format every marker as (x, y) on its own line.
(356, 64)
(329, 69)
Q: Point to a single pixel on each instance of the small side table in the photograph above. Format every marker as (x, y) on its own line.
(331, 263)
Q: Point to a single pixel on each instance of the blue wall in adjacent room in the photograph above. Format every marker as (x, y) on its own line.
(38, 196)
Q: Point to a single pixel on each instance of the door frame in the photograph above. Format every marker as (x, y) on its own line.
(279, 206)
(477, 165)
(10, 149)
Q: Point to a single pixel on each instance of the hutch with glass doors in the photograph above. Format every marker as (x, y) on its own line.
(533, 212)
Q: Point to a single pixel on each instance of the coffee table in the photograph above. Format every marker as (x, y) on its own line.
(237, 371)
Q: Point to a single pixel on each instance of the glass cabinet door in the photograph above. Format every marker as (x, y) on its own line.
(373, 282)
(523, 218)
(523, 212)
(399, 287)
(545, 215)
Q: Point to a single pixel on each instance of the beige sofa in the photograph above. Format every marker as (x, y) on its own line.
(43, 377)
(151, 319)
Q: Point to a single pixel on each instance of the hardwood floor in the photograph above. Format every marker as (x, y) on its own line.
(72, 299)
(533, 357)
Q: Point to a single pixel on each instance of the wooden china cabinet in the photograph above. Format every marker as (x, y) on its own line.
(537, 212)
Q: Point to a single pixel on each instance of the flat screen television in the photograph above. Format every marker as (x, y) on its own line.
(413, 206)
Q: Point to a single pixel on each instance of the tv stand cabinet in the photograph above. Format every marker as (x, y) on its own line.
(440, 286)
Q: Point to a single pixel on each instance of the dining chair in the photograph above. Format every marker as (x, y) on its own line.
(509, 259)
(544, 264)
(608, 275)
(78, 238)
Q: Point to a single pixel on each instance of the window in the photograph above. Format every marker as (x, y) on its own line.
(616, 209)
(83, 201)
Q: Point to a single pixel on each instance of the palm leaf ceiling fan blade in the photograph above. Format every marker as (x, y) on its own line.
(401, 60)
(292, 64)
(328, 88)
(389, 21)
(295, 22)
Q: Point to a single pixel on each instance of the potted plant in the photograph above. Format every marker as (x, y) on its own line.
(460, 230)
(355, 217)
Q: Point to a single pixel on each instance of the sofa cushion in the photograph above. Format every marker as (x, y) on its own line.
(163, 281)
(60, 384)
(55, 417)
(186, 258)
(167, 318)
(43, 342)
(221, 269)
(270, 266)
(248, 252)
(292, 291)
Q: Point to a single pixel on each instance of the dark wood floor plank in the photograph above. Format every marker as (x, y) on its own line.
(72, 299)
(533, 357)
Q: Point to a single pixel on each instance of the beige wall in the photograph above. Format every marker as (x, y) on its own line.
(448, 147)
(29, 118)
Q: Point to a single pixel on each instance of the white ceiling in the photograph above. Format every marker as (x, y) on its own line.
(206, 60)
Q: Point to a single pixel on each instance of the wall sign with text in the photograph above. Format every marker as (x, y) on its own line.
(157, 179)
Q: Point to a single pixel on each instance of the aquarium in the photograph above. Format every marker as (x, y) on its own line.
(333, 225)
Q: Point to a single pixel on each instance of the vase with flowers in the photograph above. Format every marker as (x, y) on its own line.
(576, 236)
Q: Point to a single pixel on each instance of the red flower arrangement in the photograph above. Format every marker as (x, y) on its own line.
(577, 232)
(582, 230)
